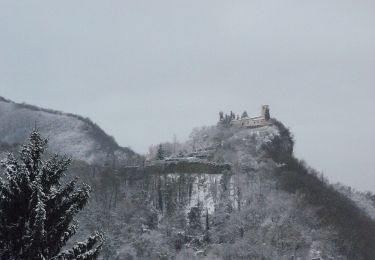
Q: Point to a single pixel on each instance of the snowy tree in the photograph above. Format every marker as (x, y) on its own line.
(267, 114)
(194, 217)
(221, 115)
(160, 153)
(37, 210)
(244, 114)
(232, 115)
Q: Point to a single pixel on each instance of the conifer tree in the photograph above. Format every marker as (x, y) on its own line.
(267, 114)
(37, 210)
(194, 217)
(244, 114)
(232, 115)
(161, 153)
(221, 115)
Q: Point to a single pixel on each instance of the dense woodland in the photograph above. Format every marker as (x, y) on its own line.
(267, 205)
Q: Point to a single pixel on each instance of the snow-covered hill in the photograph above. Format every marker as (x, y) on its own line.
(268, 205)
(68, 134)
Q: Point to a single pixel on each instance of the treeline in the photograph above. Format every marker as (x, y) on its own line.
(356, 230)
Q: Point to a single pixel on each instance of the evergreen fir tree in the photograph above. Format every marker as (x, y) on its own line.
(232, 115)
(227, 120)
(37, 210)
(161, 153)
(221, 115)
(194, 217)
(267, 114)
(244, 114)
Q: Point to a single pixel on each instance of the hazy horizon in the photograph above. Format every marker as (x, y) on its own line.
(144, 71)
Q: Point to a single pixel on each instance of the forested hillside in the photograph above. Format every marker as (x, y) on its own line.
(226, 193)
(69, 134)
(268, 205)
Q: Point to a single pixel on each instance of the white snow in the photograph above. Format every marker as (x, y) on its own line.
(67, 134)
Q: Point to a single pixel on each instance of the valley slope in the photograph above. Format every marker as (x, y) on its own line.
(68, 134)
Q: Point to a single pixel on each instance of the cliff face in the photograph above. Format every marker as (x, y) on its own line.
(69, 134)
(187, 183)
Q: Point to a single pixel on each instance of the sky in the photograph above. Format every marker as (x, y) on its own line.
(147, 70)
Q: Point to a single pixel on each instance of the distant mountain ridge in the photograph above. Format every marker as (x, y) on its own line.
(69, 134)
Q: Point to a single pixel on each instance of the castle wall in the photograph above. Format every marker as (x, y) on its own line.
(249, 122)
(252, 121)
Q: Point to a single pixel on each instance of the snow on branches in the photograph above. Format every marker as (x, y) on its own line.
(37, 210)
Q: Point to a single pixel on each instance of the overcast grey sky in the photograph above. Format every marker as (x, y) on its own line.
(145, 70)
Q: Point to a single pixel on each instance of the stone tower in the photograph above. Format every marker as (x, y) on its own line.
(265, 112)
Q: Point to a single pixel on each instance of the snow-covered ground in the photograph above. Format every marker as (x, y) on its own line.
(67, 134)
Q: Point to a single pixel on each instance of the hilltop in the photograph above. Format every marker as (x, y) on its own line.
(69, 134)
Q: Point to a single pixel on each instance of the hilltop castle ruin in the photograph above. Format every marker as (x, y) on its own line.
(245, 121)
